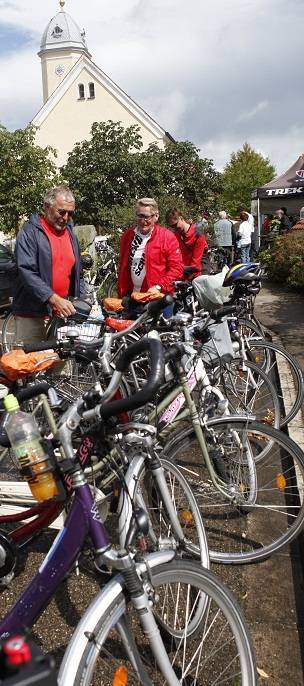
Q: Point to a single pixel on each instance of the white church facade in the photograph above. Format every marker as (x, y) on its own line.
(77, 93)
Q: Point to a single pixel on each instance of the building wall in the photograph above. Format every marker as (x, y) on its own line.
(71, 119)
(49, 63)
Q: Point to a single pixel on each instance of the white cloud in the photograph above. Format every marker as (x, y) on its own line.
(250, 114)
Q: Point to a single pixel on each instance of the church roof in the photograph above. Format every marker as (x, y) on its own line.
(63, 32)
(99, 76)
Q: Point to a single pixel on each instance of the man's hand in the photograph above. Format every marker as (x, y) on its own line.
(61, 305)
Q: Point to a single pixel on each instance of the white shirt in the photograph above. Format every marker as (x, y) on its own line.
(137, 259)
(244, 232)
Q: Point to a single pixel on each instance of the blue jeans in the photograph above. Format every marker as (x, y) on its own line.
(245, 252)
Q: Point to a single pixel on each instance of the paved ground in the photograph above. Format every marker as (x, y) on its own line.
(282, 311)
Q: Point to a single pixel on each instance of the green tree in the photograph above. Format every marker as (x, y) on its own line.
(102, 172)
(178, 176)
(110, 170)
(246, 171)
(26, 172)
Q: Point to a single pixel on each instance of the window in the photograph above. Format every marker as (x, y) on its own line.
(81, 91)
(91, 90)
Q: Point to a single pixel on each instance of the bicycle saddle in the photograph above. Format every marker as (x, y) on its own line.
(82, 308)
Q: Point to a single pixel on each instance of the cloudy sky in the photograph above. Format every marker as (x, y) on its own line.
(215, 72)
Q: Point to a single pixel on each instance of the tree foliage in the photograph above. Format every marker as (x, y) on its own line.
(246, 171)
(110, 170)
(26, 173)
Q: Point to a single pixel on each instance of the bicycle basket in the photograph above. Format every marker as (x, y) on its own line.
(219, 346)
(87, 332)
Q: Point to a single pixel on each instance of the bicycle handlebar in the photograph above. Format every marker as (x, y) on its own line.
(50, 344)
(154, 380)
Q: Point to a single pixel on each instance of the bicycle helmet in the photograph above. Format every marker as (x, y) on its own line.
(87, 261)
(244, 271)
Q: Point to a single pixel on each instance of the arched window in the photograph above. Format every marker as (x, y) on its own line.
(81, 91)
(91, 90)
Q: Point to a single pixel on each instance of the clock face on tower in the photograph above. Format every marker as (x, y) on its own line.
(59, 70)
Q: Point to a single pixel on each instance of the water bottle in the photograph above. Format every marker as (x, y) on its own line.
(33, 461)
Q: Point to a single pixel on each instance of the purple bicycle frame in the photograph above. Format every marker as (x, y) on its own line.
(83, 519)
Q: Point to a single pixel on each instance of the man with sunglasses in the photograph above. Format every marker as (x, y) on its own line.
(150, 258)
(191, 241)
(48, 258)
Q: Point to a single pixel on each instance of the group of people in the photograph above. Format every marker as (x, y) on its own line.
(235, 237)
(279, 222)
(48, 258)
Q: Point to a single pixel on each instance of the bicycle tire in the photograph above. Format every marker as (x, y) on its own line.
(239, 533)
(223, 648)
(8, 333)
(249, 389)
(291, 367)
(147, 495)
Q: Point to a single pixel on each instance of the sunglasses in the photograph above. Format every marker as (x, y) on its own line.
(70, 213)
(147, 217)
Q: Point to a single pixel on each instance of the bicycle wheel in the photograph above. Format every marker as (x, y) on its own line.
(248, 388)
(8, 333)
(280, 364)
(249, 526)
(161, 531)
(220, 653)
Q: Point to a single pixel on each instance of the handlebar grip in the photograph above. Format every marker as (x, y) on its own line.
(156, 306)
(225, 310)
(155, 377)
(51, 344)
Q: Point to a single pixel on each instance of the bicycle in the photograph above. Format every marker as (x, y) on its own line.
(190, 625)
(237, 475)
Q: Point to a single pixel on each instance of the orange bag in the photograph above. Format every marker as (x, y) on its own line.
(146, 297)
(118, 324)
(17, 364)
(113, 304)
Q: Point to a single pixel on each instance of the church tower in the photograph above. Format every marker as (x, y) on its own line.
(61, 46)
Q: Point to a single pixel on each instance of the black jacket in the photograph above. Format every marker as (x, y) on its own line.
(34, 261)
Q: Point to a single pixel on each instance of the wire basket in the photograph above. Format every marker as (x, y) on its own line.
(88, 331)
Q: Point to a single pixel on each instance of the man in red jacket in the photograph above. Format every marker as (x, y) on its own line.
(191, 242)
(150, 257)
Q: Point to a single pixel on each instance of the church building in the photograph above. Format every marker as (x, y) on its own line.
(77, 93)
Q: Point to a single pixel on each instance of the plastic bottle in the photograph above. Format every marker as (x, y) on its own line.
(25, 439)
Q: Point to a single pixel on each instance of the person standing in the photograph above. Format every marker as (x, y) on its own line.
(48, 259)
(191, 241)
(150, 256)
(244, 235)
(223, 233)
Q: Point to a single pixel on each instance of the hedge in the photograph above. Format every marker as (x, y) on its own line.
(284, 260)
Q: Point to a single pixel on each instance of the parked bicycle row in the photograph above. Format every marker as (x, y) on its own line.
(173, 424)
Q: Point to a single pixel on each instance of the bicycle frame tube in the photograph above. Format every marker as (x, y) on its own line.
(82, 519)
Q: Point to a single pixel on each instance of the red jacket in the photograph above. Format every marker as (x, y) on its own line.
(163, 261)
(193, 246)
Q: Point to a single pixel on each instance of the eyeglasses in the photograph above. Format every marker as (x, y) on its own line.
(147, 217)
(63, 212)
